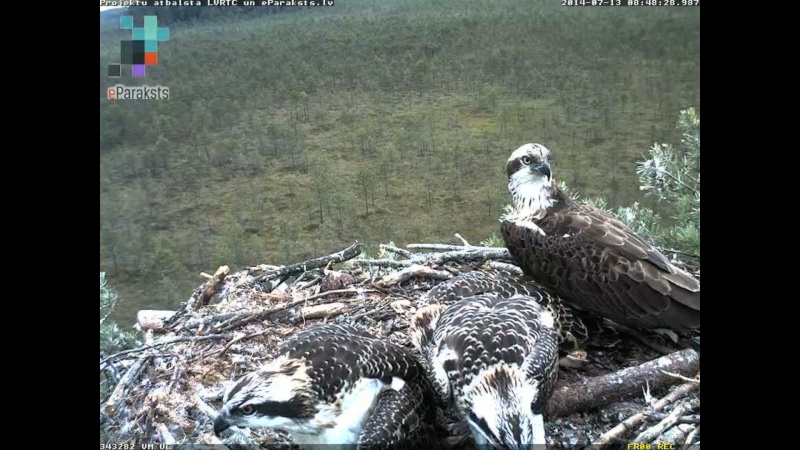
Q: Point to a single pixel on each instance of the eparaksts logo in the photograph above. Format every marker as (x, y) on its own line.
(120, 92)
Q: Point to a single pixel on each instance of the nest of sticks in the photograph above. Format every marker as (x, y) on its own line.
(169, 389)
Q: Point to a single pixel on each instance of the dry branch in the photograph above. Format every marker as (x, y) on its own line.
(209, 289)
(651, 433)
(457, 248)
(396, 250)
(124, 386)
(599, 391)
(634, 421)
(165, 341)
(283, 271)
(416, 270)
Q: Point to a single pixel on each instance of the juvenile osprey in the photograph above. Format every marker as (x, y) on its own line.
(335, 384)
(496, 358)
(588, 257)
(570, 328)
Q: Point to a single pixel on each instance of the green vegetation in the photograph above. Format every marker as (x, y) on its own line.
(112, 338)
(291, 135)
(670, 174)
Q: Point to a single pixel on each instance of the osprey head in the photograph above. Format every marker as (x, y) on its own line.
(530, 179)
(275, 396)
(530, 161)
(505, 411)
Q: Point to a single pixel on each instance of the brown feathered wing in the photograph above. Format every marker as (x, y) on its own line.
(596, 262)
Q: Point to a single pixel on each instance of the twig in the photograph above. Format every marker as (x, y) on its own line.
(339, 291)
(239, 320)
(243, 337)
(316, 263)
(167, 341)
(384, 262)
(463, 241)
(683, 378)
(166, 436)
(451, 247)
(651, 433)
(209, 289)
(399, 251)
(417, 270)
(635, 420)
(125, 383)
(692, 436)
(472, 254)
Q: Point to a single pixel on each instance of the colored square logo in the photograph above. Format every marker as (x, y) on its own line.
(115, 70)
(125, 22)
(138, 70)
(142, 48)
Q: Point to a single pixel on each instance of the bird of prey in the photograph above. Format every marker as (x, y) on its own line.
(572, 332)
(337, 385)
(496, 359)
(589, 257)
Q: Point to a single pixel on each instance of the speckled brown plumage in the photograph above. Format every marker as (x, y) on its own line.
(590, 258)
(306, 388)
(495, 358)
(571, 330)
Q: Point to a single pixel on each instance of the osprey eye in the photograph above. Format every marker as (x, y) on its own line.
(247, 410)
(526, 160)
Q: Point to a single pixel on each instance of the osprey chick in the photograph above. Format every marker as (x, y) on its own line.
(588, 257)
(335, 384)
(497, 359)
(571, 330)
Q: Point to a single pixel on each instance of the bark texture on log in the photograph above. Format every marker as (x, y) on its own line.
(599, 391)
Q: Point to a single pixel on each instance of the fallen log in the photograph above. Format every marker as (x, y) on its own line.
(605, 389)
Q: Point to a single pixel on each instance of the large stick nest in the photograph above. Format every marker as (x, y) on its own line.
(168, 390)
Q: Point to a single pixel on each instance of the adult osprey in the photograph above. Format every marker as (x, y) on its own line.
(589, 257)
(496, 358)
(337, 385)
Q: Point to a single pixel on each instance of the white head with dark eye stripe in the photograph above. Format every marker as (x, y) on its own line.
(530, 179)
(505, 410)
(275, 397)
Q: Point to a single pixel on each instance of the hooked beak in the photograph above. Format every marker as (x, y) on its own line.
(220, 425)
(543, 169)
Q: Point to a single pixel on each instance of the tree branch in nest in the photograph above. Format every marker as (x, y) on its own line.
(605, 389)
(416, 270)
(673, 418)
(456, 248)
(635, 420)
(125, 384)
(316, 263)
(463, 241)
(396, 250)
(166, 341)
